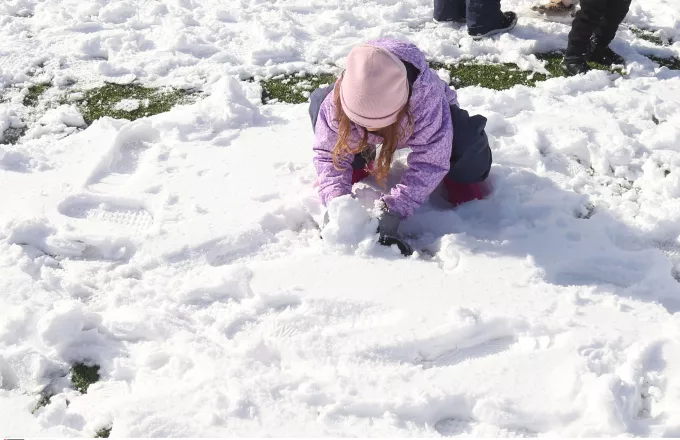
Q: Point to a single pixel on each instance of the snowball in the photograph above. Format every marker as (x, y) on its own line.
(349, 223)
(127, 105)
(62, 324)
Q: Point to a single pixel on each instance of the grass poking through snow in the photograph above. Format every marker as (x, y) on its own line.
(103, 433)
(650, 36)
(118, 101)
(82, 376)
(671, 63)
(34, 94)
(138, 101)
(43, 402)
(12, 135)
(296, 89)
(293, 89)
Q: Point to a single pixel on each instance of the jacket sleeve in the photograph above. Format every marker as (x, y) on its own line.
(333, 182)
(429, 160)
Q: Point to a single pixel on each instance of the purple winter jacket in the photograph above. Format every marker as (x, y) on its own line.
(430, 140)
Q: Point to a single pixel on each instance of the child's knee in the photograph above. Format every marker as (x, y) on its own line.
(471, 154)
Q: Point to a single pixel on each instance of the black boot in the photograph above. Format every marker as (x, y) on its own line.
(601, 54)
(574, 65)
(508, 21)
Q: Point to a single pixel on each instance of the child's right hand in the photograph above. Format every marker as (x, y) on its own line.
(405, 249)
(388, 227)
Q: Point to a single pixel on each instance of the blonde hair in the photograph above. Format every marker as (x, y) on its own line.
(391, 135)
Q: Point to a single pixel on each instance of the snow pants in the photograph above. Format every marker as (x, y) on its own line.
(600, 18)
(481, 15)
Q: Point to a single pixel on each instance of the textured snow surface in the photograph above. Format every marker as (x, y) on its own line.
(180, 252)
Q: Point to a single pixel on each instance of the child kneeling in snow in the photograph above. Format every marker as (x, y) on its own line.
(389, 96)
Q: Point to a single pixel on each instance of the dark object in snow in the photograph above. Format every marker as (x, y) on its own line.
(103, 433)
(82, 376)
(507, 23)
(602, 54)
(483, 17)
(388, 227)
(405, 249)
(574, 65)
(593, 28)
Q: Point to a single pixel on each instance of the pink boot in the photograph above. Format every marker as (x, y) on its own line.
(361, 174)
(460, 193)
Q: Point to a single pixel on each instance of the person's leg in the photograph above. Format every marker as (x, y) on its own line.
(471, 158)
(483, 14)
(586, 20)
(614, 15)
(606, 31)
(485, 18)
(449, 10)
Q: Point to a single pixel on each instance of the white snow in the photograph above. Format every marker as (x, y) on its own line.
(128, 105)
(180, 252)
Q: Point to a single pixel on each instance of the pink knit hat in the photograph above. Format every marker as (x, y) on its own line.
(374, 86)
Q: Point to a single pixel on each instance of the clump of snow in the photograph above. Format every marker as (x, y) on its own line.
(182, 252)
(61, 325)
(127, 105)
(8, 119)
(67, 115)
(350, 225)
(117, 12)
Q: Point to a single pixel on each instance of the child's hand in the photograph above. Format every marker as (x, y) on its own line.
(405, 249)
(388, 227)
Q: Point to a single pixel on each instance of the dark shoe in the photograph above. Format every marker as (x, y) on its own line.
(574, 65)
(600, 54)
(459, 20)
(509, 21)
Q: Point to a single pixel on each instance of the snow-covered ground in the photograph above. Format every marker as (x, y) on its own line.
(179, 251)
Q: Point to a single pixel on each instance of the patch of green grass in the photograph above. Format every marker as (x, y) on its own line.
(671, 63)
(292, 88)
(507, 75)
(12, 135)
(489, 76)
(43, 402)
(34, 94)
(102, 101)
(104, 432)
(553, 60)
(650, 36)
(82, 376)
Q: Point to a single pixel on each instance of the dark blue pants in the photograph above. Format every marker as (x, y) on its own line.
(470, 153)
(481, 15)
(596, 17)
